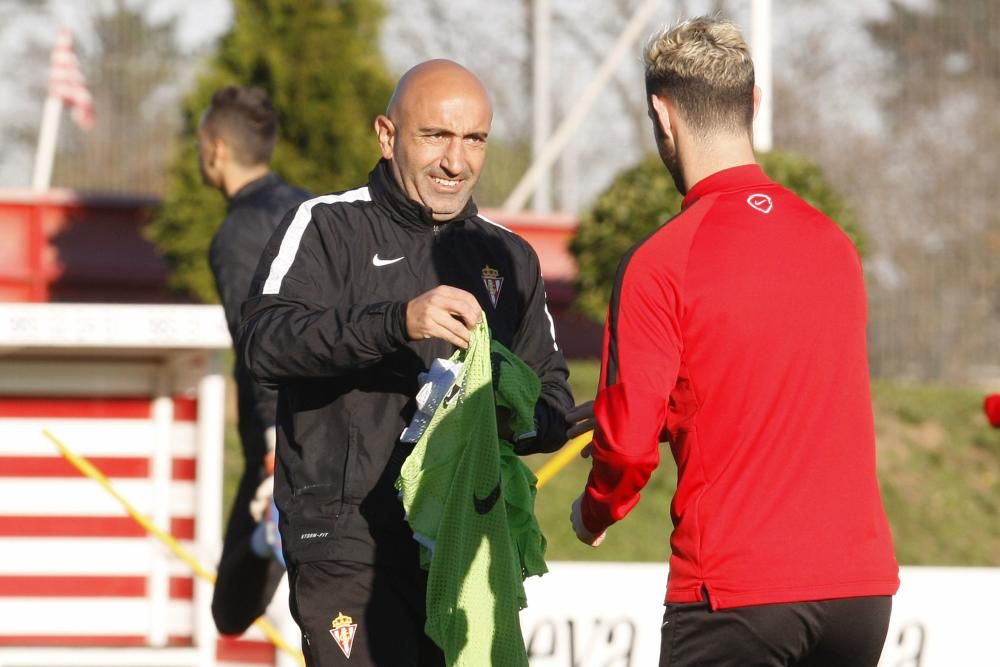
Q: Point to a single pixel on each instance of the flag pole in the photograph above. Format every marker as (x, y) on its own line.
(66, 86)
(45, 153)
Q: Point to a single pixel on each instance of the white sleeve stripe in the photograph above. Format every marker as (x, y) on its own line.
(293, 235)
(552, 327)
(552, 324)
(496, 224)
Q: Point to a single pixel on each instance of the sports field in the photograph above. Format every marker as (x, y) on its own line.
(939, 468)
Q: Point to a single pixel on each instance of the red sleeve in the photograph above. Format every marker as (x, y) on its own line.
(642, 351)
(992, 408)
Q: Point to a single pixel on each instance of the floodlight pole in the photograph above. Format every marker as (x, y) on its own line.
(555, 143)
(541, 98)
(760, 35)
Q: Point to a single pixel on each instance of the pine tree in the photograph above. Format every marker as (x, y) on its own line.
(320, 62)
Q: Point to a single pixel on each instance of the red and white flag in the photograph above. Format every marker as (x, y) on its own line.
(66, 81)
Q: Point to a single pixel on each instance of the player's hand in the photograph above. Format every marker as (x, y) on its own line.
(262, 498)
(444, 312)
(582, 419)
(582, 534)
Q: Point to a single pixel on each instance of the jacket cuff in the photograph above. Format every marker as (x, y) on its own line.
(395, 324)
(550, 431)
(596, 517)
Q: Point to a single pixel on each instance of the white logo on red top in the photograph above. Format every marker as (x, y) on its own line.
(760, 202)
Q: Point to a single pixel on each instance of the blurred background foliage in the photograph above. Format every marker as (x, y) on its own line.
(319, 61)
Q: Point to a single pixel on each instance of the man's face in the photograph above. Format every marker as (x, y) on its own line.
(210, 174)
(438, 148)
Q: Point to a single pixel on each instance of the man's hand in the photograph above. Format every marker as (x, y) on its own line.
(582, 418)
(444, 312)
(582, 534)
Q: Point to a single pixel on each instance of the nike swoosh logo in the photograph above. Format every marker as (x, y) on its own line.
(377, 261)
(484, 505)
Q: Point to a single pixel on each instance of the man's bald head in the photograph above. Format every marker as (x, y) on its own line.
(434, 134)
(435, 79)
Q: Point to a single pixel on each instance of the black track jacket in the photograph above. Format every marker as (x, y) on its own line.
(329, 327)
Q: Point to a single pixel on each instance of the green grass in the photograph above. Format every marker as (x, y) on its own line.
(643, 536)
(232, 467)
(939, 469)
(938, 465)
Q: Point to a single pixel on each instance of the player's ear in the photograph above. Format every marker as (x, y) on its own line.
(661, 114)
(220, 151)
(756, 100)
(385, 130)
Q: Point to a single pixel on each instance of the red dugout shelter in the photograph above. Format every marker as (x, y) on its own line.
(136, 385)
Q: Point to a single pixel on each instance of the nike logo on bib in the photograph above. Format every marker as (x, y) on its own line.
(484, 505)
(377, 261)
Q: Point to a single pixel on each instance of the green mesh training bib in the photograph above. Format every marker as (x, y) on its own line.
(470, 501)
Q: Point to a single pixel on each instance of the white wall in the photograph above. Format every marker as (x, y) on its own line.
(608, 615)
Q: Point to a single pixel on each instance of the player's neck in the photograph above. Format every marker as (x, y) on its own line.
(709, 157)
(237, 177)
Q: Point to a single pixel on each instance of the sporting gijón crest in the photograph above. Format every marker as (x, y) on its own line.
(343, 631)
(493, 281)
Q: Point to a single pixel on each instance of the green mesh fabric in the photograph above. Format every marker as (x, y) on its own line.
(466, 493)
(516, 387)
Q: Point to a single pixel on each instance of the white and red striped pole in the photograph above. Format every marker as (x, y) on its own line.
(66, 86)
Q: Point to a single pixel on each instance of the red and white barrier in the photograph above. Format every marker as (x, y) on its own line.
(138, 391)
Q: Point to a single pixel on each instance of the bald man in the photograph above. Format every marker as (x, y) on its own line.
(357, 293)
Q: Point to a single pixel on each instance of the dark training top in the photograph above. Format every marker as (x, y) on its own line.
(736, 331)
(246, 582)
(329, 326)
(253, 214)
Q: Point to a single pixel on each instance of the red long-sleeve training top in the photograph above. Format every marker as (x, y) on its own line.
(736, 332)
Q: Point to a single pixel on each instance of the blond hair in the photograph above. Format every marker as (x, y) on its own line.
(703, 65)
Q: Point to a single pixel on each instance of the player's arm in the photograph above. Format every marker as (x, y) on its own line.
(234, 255)
(640, 361)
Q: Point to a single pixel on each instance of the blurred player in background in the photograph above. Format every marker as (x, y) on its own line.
(737, 332)
(235, 140)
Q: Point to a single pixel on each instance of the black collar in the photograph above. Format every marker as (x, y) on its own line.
(386, 192)
(268, 180)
